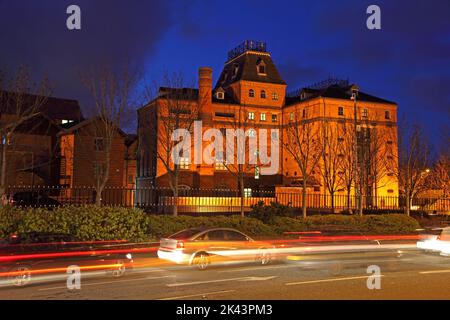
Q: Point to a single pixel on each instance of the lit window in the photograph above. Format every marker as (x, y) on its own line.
(220, 165)
(263, 94)
(256, 172)
(251, 93)
(365, 113)
(341, 111)
(263, 117)
(251, 116)
(184, 163)
(387, 115)
(274, 96)
(247, 192)
(291, 116)
(274, 118)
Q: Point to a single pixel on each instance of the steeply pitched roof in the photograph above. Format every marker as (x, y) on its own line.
(55, 109)
(191, 94)
(246, 69)
(333, 91)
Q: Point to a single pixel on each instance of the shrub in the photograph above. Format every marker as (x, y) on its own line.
(163, 226)
(267, 214)
(114, 223)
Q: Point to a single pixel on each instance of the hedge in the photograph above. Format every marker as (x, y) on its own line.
(108, 223)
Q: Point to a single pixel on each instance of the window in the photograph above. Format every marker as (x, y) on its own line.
(234, 236)
(235, 70)
(99, 144)
(251, 93)
(251, 116)
(247, 192)
(341, 111)
(263, 117)
(387, 115)
(220, 95)
(224, 115)
(184, 163)
(389, 142)
(365, 113)
(220, 165)
(274, 118)
(256, 172)
(340, 139)
(291, 116)
(262, 69)
(252, 133)
(263, 94)
(274, 96)
(304, 113)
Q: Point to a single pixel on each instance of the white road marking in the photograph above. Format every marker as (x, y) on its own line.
(327, 280)
(197, 295)
(182, 284)
(106, 282)
(434, 271)
(260, 268)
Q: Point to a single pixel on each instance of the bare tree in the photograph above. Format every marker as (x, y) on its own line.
(176, 109)
(112, 94)
(20, 101)
(241, 166)
(304, 145)
(440, 175)
(331, 159)
(346, 147)
(412, 162)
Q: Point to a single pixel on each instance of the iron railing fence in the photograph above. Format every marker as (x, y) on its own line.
(222, 201)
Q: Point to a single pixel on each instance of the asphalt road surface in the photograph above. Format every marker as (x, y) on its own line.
(416, 275)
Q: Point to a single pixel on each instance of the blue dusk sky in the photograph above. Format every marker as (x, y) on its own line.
(407, 61)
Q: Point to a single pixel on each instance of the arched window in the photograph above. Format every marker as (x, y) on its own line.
(251, 93)
(261, 67)
(263, 94)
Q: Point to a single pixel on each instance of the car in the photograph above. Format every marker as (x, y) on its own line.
(199, 246)
(32, 199)
(437, 244)
(24, 257)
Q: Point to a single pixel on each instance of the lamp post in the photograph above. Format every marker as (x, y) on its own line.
(355, 90)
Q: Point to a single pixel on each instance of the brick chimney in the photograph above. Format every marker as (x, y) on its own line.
(205, 91)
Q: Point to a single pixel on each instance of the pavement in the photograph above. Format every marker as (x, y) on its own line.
(415, 275)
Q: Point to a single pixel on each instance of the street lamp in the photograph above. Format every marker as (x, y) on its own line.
(354, 90)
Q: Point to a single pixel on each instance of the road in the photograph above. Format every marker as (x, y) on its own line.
(414, 276)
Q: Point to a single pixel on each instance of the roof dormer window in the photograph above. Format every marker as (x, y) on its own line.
(220, 95)
(235, 70)
(261, 67)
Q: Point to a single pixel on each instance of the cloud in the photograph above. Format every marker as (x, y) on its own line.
(113, 32)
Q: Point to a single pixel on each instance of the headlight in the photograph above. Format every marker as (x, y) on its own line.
(129, 256)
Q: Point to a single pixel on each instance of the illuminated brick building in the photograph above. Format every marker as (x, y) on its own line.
(250, 92)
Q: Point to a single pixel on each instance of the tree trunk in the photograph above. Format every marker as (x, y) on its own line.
(242, 192)
(3, 200)
(348, 200)
(175, 201)
(408, 203)
(304, 198)
(332, 202)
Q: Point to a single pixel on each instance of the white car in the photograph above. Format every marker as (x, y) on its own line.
(439, 244)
